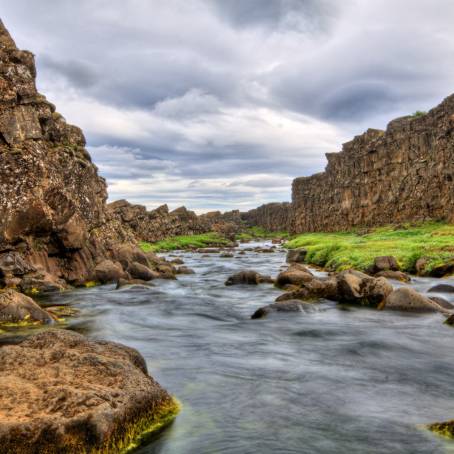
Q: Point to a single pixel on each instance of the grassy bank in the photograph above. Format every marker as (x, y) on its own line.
(408, 243)
(186, 242)
(256, 233)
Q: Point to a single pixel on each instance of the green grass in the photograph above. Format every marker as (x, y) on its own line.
(419, 113)
(408, 243)
(254, 233)
(186, 242)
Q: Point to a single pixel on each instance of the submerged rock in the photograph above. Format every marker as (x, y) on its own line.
(284, 306)
(63, 393)
(133, 282)
(249, 277)
(185, 270)
(17, 308)
(442, 288)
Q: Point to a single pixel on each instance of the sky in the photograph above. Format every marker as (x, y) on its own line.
(219, 104)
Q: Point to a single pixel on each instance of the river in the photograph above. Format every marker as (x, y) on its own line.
(338, 380)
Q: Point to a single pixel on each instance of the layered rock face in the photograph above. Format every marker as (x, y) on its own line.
(53, 219)
(273, 217)
(158, 224)
(405, 173)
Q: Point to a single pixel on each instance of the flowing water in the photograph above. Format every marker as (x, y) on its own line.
(339, 380)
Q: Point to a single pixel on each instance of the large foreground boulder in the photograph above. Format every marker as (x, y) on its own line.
(62, 393)
(18, 308)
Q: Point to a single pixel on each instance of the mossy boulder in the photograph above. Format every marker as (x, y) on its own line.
(63, 393)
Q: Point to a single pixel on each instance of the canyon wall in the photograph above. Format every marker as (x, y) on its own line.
(158, 224)
(54, 225)
(273, 217)
(405, 173)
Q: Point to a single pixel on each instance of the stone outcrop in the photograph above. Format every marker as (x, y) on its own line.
(405, 173)
(273, 217)
(54, 225)
(63, 393)
(158, 224)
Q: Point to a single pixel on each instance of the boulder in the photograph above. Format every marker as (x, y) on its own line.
(128, 253)
(293, 277)
(358, 288)
(442, 288)
(41, 282)
(177, 261)
(296, 255)
(315, 288)
(284, 306)
(409, 300)
(139, 271)
(12, 263)
(396, 275)
(249, 277)
(108, 271)
(226, 255)
(185, 270)
(63, 393)
(16, 307)
(384, 263)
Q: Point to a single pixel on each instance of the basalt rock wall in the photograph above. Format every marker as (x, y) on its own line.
(54, 226)
(273, 217)
(405, 173)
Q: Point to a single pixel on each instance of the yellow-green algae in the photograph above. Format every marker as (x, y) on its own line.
(90, 284)
(138, 432)
(445, 429)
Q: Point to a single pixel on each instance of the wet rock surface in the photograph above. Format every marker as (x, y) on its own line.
(248, 277)
(63, 393)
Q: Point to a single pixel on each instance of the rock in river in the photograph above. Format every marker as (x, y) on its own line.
(248, 277)
(284, 306)
(63, 393)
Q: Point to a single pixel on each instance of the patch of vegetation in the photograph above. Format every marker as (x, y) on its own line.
(409, 242)
(419, 113)
(186, 242)
(256, 233)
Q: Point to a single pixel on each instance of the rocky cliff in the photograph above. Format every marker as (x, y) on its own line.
(54, 226)
(272, 217)
(158, 224)
(405, 173)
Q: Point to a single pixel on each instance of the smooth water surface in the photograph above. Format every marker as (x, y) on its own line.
(340, 380)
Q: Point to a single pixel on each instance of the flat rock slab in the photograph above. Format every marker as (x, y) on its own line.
(63, 393)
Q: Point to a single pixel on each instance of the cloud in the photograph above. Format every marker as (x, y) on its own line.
(220, 103)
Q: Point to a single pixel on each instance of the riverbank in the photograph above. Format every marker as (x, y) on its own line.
(424, 248)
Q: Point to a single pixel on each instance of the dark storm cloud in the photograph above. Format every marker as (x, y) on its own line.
(219, 103)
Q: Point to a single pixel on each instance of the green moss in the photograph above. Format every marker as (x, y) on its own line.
(186, 242)
(254, 233)
(137, 433)
(337, 251)
(445, 429)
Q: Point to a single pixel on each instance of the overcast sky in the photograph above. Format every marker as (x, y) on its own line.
(219, 104)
